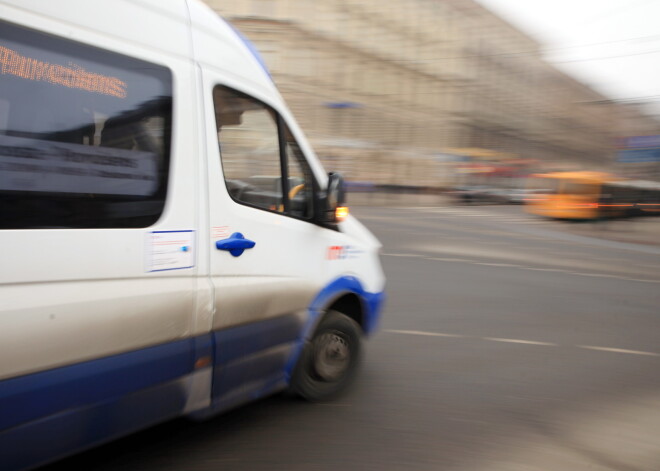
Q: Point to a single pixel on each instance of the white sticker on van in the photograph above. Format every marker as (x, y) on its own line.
(170, 250)
(219, 232)
(343, 252)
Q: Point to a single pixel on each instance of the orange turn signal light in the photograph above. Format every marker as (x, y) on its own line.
(341, 213)
(202, 362)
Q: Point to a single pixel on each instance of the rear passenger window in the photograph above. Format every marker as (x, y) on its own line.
(84, 134)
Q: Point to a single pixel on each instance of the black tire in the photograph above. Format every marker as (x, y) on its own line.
(328, 362)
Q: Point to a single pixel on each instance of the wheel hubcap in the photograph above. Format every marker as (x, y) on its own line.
(332, 356)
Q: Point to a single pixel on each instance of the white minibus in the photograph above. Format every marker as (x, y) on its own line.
(170, 244)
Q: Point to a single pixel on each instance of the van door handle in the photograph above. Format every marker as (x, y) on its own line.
(235, 244)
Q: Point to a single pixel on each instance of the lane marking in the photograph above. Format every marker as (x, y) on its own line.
(616, 277)
(498, 264)
(619, 350)
(520, 341)
(428, 334)
(552, 232)
(447, 259)
(403, 255)
(522, 267)
(411, 255)
(526, 342)
(599, 275)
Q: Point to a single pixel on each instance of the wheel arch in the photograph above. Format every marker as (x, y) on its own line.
(351, 305)
(345, 295)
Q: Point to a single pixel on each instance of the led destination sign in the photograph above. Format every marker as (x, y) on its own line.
(73, 76)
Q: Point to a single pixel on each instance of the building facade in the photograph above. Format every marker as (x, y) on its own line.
(396, 92)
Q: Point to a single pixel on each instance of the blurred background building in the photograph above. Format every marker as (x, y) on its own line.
(431, 93)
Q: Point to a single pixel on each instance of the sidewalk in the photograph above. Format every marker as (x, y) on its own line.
(642, 230)
(383, 199)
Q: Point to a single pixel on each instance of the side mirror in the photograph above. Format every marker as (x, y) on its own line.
(336, 190)
(333, 200)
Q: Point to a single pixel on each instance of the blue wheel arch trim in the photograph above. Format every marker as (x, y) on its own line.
(372, 304)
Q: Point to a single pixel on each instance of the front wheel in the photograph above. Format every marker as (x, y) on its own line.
(329, 360)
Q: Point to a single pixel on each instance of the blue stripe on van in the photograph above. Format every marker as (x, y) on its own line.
(247, 339)
(72, 431)
(60, 411)
(37, 395)
(250, 358)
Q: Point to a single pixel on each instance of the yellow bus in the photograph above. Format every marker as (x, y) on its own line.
(584, 195)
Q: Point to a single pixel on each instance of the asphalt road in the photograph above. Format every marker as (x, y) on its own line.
(507, 344)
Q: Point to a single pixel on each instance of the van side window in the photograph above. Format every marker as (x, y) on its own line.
(84, 134)
(262, 163)
(300, 178)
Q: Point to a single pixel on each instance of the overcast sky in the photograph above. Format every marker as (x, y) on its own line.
(611, 45)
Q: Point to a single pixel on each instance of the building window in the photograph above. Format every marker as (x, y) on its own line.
(263, 8)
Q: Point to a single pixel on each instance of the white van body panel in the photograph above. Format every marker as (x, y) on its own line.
(81, 320)
(100, 271)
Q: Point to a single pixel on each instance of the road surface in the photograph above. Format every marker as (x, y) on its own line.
(507, 344)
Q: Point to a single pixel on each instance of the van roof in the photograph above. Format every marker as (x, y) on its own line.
(218, 44)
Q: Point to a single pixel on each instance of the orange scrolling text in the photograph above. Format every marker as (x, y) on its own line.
(74, 76)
